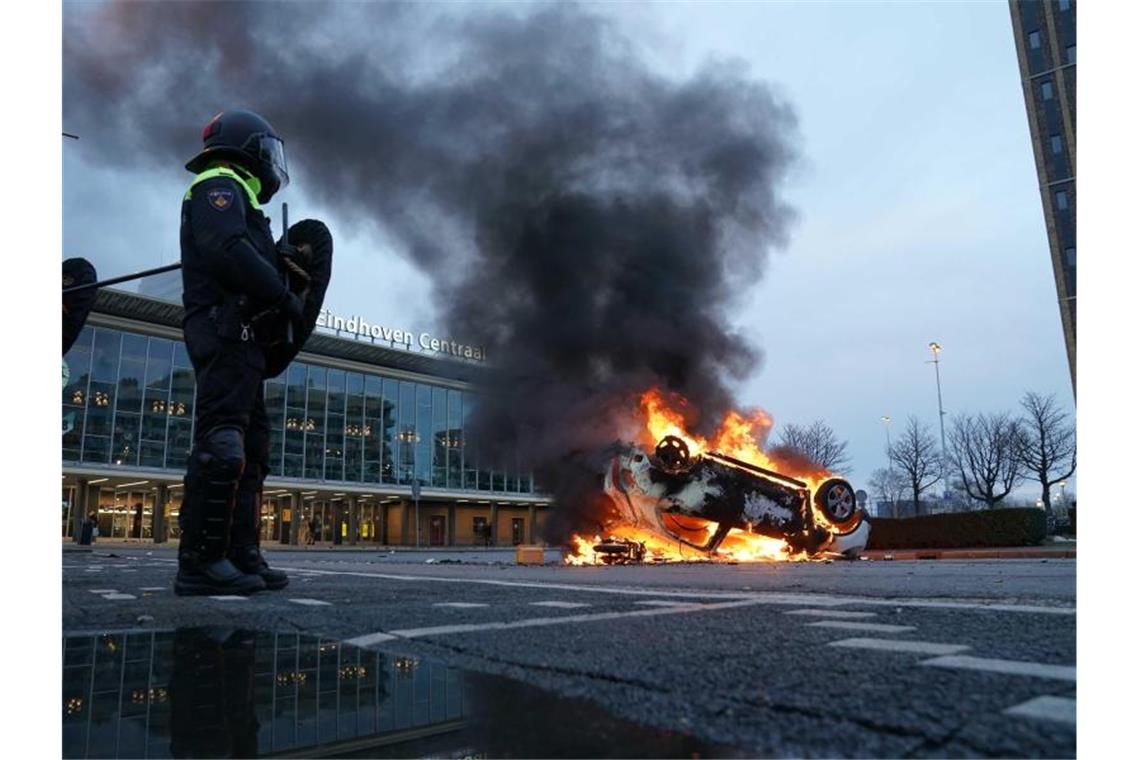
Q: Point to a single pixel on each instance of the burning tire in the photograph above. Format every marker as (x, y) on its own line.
(673, 454)
(835, 499)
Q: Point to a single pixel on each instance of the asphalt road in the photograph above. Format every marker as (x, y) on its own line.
(845, 659)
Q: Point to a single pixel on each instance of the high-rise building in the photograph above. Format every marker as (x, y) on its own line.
(1045, 32)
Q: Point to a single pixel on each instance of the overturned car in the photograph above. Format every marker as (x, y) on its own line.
(677, 496)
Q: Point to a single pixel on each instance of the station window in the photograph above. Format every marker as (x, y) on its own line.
(1034, 39)
(1071, 54)
(1062, 199)
(1055, 143)
(1063, 5)
(1071, 256)
(1046, 90)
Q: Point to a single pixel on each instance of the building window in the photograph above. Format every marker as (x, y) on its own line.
(1063, 5)
(1071, 256)
(1062, 199)
(1071, 54)
(1055, 143)
(1034, 39)
(1046, 90)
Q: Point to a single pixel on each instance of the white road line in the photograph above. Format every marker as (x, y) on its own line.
(1008, 667)
(442, 630)
(1057, 709)
(119, 596)
(662, 603)
(843, 614)
(803, 600)
(230, 598)
(895, 645)
(102, 590)
(311, 602)
(369, 639)
(560, 605)
(461, 605)
(865, 627)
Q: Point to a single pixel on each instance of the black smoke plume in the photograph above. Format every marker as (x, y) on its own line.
(584, 217)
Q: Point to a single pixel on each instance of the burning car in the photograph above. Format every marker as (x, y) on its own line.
(698, 500)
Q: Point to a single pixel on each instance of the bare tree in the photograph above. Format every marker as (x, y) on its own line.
(915, 454)
(1048, 449)
(888, 486)
(985, 452)
(817, 443)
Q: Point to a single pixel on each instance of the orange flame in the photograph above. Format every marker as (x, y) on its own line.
(740, 436)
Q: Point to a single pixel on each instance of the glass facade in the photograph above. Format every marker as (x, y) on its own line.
(129, 402)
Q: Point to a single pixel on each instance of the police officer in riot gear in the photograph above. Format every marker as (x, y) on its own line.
(238, 303)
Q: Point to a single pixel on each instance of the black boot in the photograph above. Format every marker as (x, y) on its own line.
(207, 509)
(248, 559)
(245, 536)
(218, 576)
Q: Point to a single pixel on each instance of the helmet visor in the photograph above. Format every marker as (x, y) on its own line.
(271, 152)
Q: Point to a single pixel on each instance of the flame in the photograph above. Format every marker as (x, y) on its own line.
(740, 436)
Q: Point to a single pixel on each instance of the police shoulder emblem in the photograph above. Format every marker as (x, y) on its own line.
(220, 199)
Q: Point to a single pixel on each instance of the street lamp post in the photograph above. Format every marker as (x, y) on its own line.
(936, 350)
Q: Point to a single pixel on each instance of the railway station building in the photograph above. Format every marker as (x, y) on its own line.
(363, 413)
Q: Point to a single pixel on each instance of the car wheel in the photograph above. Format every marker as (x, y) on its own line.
(672, 454)
(836, 500)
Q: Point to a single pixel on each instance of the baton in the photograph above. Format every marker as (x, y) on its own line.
(285, 240)
(123, 278)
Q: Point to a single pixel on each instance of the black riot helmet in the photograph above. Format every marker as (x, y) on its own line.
(243, 138)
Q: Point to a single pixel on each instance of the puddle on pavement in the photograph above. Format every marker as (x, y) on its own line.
(221, 692)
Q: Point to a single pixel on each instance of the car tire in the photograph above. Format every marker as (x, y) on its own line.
(835, 500)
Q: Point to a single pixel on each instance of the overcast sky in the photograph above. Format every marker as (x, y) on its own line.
(919, 216)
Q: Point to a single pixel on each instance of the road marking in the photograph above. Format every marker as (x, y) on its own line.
(844, 614)
(560, 605)
(119, 596)
(230, 598)
(442, 630)
(102, 590)
(369, 639)
(895, 645)
(311, 602)
(662, 603)
(778, 598)
(1009, 667)
(1057, 709)
(865, 627)
(461, 605)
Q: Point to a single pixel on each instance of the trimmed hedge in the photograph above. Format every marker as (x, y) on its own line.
(991, 527)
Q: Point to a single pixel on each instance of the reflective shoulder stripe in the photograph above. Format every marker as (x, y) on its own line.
(221, 171)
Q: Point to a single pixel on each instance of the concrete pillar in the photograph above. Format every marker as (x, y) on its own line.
(353, 519)
(494, 524)
(338, 521)
(451, 524)
(79, 509)
(530, 524)
(295, 524)
(278, 522)
(158, 529)
(407, 530)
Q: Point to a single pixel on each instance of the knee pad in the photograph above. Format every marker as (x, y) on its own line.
(222, 454)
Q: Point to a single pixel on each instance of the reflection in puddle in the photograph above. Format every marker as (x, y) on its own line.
(220, 692)
(212, 692)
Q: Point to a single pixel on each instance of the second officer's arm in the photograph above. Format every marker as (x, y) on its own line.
(218, 225)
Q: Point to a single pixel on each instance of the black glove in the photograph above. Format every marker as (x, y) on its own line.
(296, 260)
